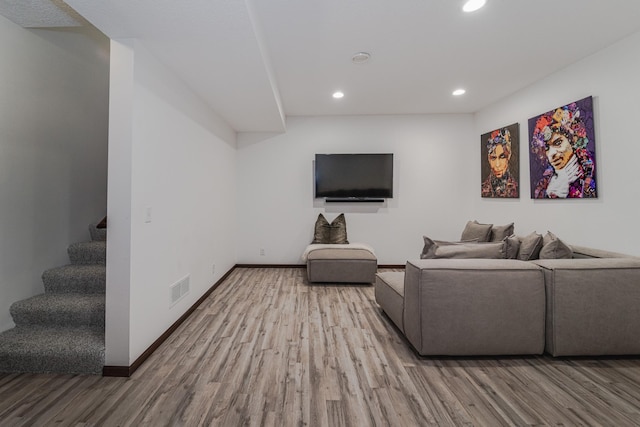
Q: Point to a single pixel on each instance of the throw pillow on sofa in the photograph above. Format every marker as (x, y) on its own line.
(530, 247)
(512, 245)
(330, 233)
(501, 232)
(486, 250)
(476, 231)
(554, 248)
(429, 244)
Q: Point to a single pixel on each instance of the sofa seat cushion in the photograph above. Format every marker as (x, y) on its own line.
(389, 291)
(346, 253)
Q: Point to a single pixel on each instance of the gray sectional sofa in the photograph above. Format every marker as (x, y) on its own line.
(588, 305)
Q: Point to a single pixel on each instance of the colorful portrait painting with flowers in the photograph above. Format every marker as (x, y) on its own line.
(501, 162)
(562, 154)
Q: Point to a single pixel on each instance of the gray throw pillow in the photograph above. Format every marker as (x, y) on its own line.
(474, 230)
(554, 248)
(500, 232)
(321, 232)
(430, 244)
(338, 230)
(486, 250)
(512, 244)
(530, 247)
(334, 233)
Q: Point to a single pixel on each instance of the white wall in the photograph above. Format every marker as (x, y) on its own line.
(53, 150)
(175, 158)
(277, 211)
(438, 174)
(611, 77)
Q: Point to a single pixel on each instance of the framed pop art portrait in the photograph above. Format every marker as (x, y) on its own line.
(562, 152)
(500, 162)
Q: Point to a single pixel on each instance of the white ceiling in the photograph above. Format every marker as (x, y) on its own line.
(257, 61)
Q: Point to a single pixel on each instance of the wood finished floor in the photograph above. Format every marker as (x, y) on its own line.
(266, 348)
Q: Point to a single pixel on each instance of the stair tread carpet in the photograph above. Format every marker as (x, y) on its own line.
(62, 330)
(93, 252)
(60, 309)
(97, 233)
(45, 349)
(75, 278)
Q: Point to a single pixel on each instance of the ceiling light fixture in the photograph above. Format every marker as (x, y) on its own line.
(338, 94)
(473, 5)
(360, 57)
(458, 92)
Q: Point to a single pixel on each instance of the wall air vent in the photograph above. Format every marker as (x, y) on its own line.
(178, 290)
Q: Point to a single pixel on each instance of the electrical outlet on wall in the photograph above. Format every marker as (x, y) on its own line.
(262, 253)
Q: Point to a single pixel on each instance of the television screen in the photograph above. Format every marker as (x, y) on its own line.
(354, 176)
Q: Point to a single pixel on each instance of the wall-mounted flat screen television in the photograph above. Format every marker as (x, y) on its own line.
(354, 176)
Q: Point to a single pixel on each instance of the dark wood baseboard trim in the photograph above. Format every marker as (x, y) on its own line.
(304, 265)
(127, 371)
(116, 371)
(271, 265)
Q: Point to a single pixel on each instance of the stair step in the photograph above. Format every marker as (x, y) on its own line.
(94, 252)
(75, 278)
(52, 350)
(97, 233)
(71, 310)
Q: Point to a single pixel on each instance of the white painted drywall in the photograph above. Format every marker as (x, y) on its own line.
(182, 163)
(53, 150)
(611, 77)
(118, 299)
(432, 193)
(438, 171)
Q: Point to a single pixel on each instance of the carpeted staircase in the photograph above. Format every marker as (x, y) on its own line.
(62, 330)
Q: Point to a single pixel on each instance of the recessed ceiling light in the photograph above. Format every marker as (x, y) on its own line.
(458, 92)
(473, 5)
(338, 94)
(360, 57)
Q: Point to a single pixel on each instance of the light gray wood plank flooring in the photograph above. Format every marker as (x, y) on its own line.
(266, 348)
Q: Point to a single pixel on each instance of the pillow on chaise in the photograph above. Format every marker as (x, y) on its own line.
(554, 248)
(486, 250)
(334, 233)
(474, 230)
(500, 232)
(530, 247)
